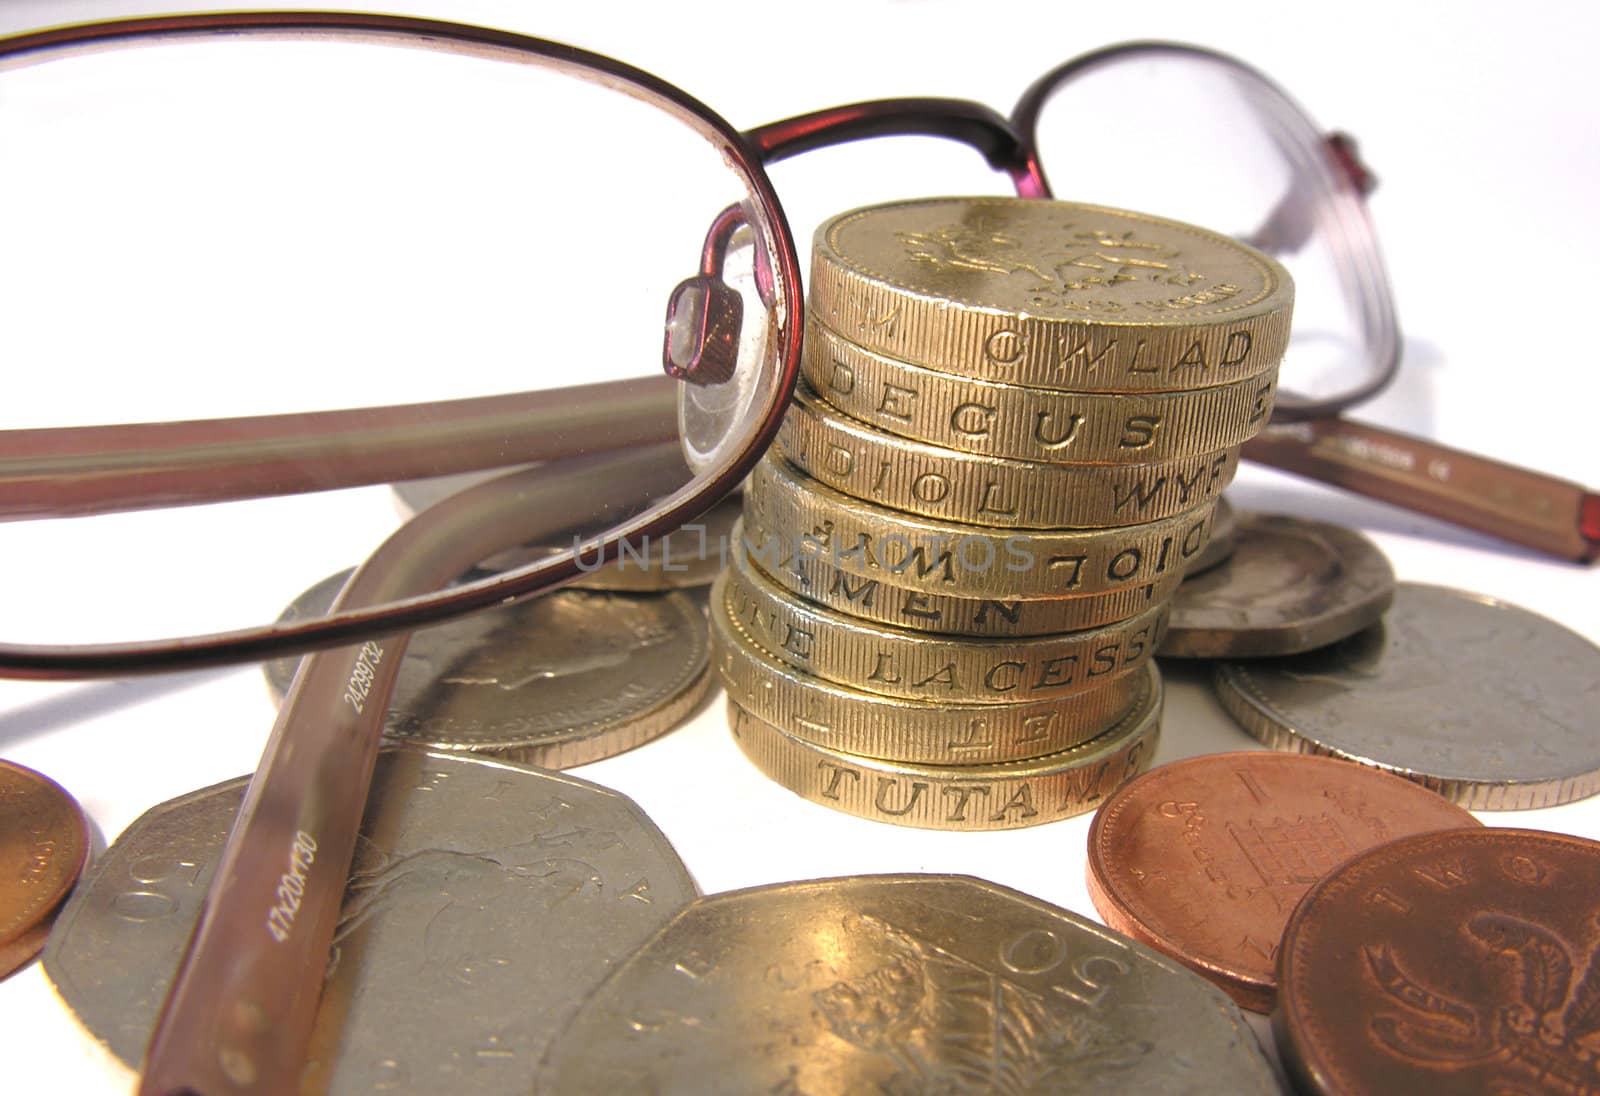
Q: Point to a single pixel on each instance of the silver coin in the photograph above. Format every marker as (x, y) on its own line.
(1224, 536)
(1486, 703)
(690, 557)
(486, 899)
(541, 681)
(1291, 585)
(900, 984)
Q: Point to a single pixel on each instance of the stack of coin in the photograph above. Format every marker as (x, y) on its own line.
(954, 568)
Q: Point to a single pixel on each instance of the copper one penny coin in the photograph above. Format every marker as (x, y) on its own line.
(1448, 963)
(44, 843)
(1204, 859)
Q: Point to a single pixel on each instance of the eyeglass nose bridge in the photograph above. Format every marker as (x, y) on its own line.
(704, 313)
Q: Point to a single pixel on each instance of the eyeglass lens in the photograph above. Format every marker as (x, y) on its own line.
(212, 228)
(1201, 139)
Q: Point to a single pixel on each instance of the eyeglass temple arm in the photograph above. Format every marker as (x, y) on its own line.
(73, 471)
(1524, 507)
(244, 1000)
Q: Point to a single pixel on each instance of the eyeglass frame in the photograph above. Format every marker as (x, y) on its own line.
(1008, 144)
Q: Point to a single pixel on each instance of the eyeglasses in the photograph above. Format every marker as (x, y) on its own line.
(346, 198)
(300, 262)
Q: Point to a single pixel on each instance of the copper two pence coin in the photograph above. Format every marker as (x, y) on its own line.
(1205, 858)
(44, 842)
(1445, 963)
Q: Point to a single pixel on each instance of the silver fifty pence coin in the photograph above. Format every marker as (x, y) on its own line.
(564, 679)
(900, 984)
(1486, 703)
(1291, 585)
(485, 901)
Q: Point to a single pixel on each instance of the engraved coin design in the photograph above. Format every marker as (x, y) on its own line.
(797, 566)
(939, 733)
(1205, 858)
(798, 514)
(900, 984)
(1051, 294)
(44, 844)
(687, 558)
(554, 681)
(951, 485)
(917, 666)
(1462, 962)
(1291, 585)
(999, 796)
(486, 899)
(1032, 424)
(1488, 704)
(1224, 538)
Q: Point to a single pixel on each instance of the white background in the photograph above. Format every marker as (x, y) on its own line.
(1479, 121)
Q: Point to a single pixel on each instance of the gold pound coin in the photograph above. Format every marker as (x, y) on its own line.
(1033, 424)
(1051, 294)
(1002, 796)
(798, 515)
(813, 578)
(939, 669)
(950, 485)
(917, 731)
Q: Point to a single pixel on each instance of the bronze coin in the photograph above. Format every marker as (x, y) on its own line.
(1205, 858)
(44, 843)
(1459, 962)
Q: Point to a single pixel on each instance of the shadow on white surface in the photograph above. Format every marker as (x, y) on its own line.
(84, 702)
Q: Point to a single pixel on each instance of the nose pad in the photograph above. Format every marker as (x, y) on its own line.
(704, 315)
